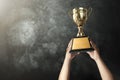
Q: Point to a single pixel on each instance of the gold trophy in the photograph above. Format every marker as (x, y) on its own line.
(81, 42)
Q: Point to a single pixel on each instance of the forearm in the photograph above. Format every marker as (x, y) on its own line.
(104, 71)
(65, 71)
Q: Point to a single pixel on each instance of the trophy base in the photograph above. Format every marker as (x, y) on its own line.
(81, 44)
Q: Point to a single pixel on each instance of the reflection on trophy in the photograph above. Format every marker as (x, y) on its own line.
(81, 42)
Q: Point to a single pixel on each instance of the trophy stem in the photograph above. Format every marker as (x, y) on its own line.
(80, 32)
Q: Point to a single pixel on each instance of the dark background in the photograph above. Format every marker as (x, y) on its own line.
(34, 35)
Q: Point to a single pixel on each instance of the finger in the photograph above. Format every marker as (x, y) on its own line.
(78, 53)
(93, 44)
(69, 46)
(89, 53)
(70, 43)
(75, 54)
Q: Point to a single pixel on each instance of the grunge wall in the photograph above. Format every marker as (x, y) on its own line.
(34, 35)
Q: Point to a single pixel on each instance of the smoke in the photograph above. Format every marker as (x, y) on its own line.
(22, 33)
(35, 30)
(34, 33)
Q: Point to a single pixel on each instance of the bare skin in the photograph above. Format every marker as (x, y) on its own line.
(103, 69)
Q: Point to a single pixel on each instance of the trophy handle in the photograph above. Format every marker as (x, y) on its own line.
(70, 13)
(89, 11)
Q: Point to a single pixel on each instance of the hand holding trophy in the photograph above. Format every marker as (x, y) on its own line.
(81, 42)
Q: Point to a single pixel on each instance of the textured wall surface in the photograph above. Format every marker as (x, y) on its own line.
(34, 35)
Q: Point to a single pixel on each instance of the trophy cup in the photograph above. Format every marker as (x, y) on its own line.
(81, 42)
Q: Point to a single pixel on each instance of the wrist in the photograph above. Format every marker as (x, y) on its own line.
(98, 60)
(68, 58)
(97, 56)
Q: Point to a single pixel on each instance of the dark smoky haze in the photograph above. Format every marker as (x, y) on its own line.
(34, 35)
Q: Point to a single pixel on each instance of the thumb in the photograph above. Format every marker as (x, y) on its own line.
(88, 52)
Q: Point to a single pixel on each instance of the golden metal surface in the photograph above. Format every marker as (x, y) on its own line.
(80, 16)
(83, 43)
